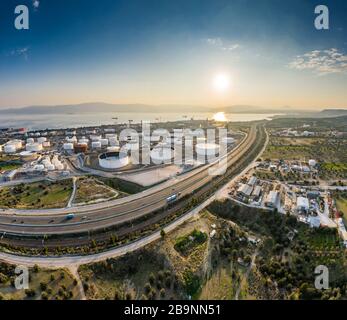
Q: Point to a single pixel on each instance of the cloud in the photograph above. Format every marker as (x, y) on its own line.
(36, 4)
(221, 44)
(21, 52)
(321, 62)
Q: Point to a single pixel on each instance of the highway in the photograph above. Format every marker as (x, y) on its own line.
(73, 261)
(91, 218)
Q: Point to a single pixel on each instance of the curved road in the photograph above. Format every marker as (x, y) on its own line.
(91, 218)
(73, 261)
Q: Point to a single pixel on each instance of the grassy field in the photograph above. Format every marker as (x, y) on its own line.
(156, 272)
(333, 169)
(90, 190)
(326, 150)
(219, 286)
(187, 243)
(139, 275)
(7, 166)
(36, 195)
(44, 284)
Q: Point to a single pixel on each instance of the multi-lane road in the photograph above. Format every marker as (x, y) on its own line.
(101, 216)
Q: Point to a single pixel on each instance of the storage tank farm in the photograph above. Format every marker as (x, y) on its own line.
(13, 146)
(35, 147)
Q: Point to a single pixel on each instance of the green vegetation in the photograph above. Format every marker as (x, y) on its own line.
(316, 124)
(122, 185)
(333, 169)
(44, 284)
(286, 265)
(139, 275)
(7, 166)
(187, 243)
(341, 203)
(220, 285)
(43, 194)
(9, 162)
(91, 189)
(323, 150)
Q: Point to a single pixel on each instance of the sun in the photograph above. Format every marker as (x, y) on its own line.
(219, 117)
(221, 82)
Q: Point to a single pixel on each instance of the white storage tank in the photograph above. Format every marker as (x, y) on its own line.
(207, 149)
(111, 135)
(113, 142)
(41, 140)
(71, 140)
(113, 160)
(104, 142)
(28, 155)
(83, 141)
(162, 154)
(10, 148)
(113, 149)
(16, 143)
(312, 163)
(94, 137)
(96, 145)
(68, 146)
(35, 147)
(39, 167)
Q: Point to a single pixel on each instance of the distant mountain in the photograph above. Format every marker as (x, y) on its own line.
(257, 109)
(93, 107)
(333, 112)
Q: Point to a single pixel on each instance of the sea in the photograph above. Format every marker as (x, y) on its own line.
(75, 120)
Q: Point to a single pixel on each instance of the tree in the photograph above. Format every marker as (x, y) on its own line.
(151, 278)
(128, 296)
(162, 233)
(43, 286)
(44, 295)
(148, 287)
(36, 268)
(30, 292)
(162, 293)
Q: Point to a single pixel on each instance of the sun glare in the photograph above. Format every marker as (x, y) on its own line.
(221, 82)
(219, 116)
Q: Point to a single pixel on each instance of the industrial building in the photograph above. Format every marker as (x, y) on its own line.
(302, 204)
(244, 190)
(272, 199)
(256, 193)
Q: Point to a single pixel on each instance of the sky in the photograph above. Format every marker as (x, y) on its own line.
(192, 52)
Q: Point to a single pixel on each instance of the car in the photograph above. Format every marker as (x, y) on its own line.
(70, 216)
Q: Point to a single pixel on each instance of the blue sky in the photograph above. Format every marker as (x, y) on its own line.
(167, 52)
